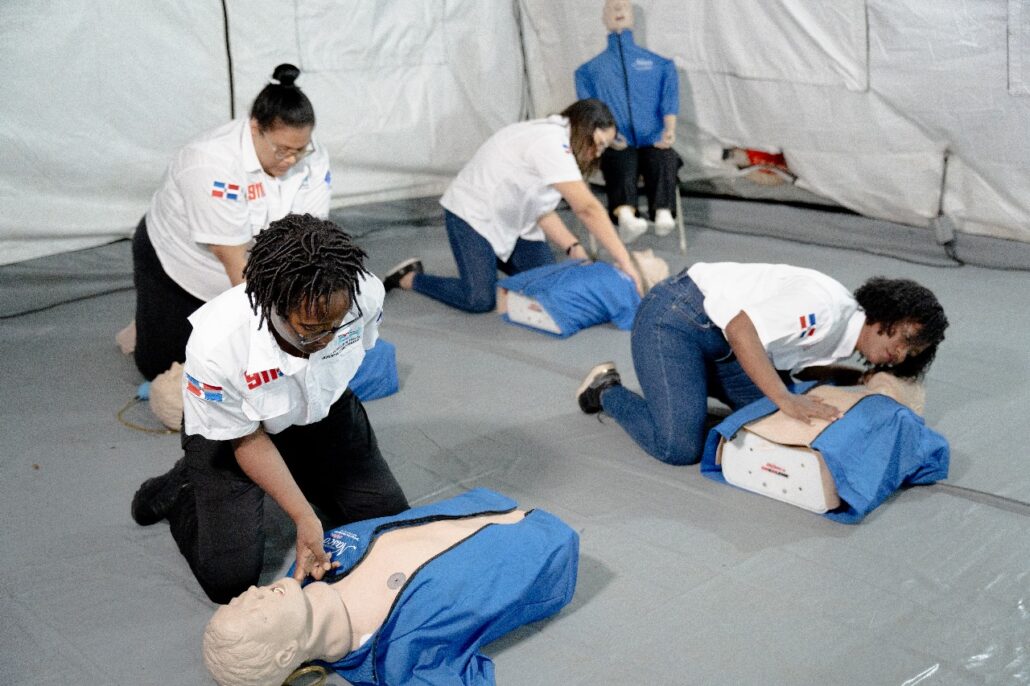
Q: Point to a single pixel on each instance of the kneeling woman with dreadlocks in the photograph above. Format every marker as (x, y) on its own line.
(267, 410)
(736, 332)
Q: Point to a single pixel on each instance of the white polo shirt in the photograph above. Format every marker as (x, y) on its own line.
(803, 317)
(507, 185)
(216, 193)
(237, 377)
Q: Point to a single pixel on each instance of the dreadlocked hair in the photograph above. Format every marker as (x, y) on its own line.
(889, 302)
(301, 259)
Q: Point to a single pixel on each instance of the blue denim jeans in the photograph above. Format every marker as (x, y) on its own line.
(681, 358)
(475, 288)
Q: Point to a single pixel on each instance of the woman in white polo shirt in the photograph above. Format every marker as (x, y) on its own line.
(267, 410)
(219, 191)
(737, 332)
(500, 209)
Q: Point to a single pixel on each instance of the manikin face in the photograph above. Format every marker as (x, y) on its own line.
(304, 330)
(259, 637)
(280, 147)
(618, 15)
(882, 347)
(274, 614)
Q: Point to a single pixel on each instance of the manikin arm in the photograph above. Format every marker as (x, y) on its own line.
(260, 460)
(233, 258)
(589, 210)
(747, 346)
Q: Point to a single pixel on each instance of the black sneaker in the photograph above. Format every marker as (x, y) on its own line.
(392, 279)
(600, 378)
(156, 497)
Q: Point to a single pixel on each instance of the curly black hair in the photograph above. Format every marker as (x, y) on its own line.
(301, 258)
(890, 302)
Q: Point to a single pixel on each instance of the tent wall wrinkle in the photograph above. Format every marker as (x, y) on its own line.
(900, 110)
(896, 109)
(99, 96)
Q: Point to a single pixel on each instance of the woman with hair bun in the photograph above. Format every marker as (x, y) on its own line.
(220, 191)
(500, 209)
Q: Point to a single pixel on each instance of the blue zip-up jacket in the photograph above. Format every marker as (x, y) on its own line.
(653, 88)
(878, 446)
(501, 577)
(578, 295)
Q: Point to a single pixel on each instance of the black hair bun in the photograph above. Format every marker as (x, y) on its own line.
(285, 75)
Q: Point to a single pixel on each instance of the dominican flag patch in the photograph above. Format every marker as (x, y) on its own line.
(221, 189)
(807, 325)
(566, 148)
(204, 391)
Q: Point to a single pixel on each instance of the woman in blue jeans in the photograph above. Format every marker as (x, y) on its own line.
(737, 332)
(500, 209)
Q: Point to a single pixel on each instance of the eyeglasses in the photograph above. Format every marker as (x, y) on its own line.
(281, 154)
(284, 325)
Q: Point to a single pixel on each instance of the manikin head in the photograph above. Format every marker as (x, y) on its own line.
(263, 635)
(617, 15)
(281, 122)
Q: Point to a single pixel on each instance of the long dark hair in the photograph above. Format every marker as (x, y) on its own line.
(585, 116)
(282, 103)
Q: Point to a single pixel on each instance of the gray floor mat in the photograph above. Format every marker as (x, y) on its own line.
(682, 580)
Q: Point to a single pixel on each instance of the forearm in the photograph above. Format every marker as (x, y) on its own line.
(595, 218)
(747, 346)
(233, 259)
(261, 461)
(556, 231)
(669, 122)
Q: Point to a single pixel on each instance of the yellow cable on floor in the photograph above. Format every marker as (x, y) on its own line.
(138, 427)
(305, 671)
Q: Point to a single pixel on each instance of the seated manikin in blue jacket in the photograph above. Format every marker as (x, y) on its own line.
(642, 91)
(410, 600)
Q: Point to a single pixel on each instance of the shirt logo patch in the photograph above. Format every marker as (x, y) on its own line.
(349, 337)
(204, 391)
(339, 542)
(221, 189)
(566, 148)
(328, 178)
(643, 64)
(807, 325)
(255, 191)
(259, 378)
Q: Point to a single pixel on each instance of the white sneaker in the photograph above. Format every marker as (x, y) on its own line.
(663, 222)
(631, 227)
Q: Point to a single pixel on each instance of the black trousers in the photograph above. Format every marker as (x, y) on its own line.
(337, 465)
(623, 168)
(162, 307)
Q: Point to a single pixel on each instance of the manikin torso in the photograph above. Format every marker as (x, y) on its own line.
(369, 590)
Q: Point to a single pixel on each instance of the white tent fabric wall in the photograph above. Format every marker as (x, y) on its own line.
(896, 109)
(98, 97)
